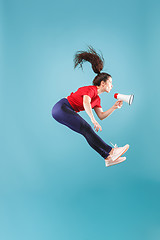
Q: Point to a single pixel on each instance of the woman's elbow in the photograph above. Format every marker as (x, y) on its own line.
(101, 117)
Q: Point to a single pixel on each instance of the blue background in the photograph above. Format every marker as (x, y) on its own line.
(53, 185)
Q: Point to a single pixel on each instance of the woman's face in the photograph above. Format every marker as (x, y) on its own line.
(109, 85)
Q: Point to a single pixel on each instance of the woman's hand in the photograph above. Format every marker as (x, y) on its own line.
(96, 125)
(118, 104)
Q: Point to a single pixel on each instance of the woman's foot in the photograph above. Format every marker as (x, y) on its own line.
(115, 153)
(109, 163)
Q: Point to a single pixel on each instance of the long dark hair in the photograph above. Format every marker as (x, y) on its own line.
(97, 62)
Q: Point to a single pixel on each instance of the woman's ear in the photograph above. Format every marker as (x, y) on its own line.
(103, 83)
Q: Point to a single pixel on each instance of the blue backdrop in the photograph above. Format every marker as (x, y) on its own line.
(53, 185)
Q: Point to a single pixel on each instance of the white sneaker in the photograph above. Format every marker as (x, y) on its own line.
(110, 162)
(118, 151)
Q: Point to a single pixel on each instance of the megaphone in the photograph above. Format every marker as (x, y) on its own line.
(126, 98)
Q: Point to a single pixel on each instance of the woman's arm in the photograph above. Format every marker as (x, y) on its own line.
(118, 104)
(87, 106)
(88, 109)
(107, 113)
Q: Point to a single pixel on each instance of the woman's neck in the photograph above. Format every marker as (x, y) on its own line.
(99, 90)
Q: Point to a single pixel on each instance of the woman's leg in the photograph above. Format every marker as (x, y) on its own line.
(64, 113)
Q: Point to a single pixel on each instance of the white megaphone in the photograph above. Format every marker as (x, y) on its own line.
(126, 98)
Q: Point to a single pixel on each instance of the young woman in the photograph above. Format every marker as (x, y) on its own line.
(87, 98)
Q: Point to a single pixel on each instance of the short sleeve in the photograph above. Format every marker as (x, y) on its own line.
(89, 91)
(98, 104)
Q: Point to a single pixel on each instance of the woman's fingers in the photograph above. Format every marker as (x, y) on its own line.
(97, 127)
(119, 104)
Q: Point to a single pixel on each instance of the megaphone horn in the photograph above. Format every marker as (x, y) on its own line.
(126, 98)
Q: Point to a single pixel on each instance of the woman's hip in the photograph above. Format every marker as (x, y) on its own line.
(61, 107)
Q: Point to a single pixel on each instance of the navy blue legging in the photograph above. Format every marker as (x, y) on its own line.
(63, 112)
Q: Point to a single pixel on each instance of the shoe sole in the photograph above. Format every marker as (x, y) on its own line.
(122, 153)
(116, 162)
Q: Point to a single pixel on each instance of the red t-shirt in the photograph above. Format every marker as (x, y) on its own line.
(76, 98)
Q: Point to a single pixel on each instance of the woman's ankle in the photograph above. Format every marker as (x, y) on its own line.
(108, 158)
(111, 152)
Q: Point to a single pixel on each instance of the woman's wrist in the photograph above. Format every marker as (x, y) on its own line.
(92, 118)
(113, 108)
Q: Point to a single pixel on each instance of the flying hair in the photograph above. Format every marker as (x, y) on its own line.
(96, 60)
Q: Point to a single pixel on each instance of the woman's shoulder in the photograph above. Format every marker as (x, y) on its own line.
(89, 90)
(89, 87)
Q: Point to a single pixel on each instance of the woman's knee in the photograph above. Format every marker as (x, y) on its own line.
(55, 111)
(85, 127)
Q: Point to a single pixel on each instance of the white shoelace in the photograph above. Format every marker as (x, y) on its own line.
(115, 146)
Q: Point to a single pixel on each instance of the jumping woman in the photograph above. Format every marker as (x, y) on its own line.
(87, 98)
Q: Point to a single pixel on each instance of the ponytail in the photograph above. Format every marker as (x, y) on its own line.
(96, 61)
(91, 56)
